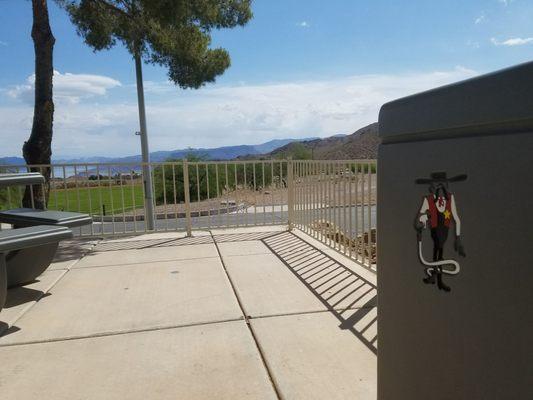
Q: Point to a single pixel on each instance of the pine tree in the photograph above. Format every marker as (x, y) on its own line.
(175, 34)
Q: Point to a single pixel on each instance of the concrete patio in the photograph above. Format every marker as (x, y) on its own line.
(255, 313)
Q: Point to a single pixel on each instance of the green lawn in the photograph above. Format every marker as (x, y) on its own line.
(90, 200)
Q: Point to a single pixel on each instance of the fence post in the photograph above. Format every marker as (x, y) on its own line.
(290, 194)
(186, 191)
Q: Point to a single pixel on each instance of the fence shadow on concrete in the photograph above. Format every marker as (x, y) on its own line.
(151, 243)
(242, 237)
(71, 250)
(347, 295)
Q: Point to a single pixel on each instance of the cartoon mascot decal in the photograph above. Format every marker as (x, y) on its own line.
(438, 210)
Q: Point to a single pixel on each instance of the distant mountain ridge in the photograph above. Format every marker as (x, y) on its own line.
(216, 153)
(362, 144)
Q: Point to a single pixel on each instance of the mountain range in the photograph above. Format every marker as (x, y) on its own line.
(362, 144)
(216, 153)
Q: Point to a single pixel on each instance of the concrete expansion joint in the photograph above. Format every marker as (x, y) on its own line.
(248, 324)
(118, 333)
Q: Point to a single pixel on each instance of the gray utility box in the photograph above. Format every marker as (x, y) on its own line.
(457, 158)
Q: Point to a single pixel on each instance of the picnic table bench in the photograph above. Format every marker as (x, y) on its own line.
(29, 248)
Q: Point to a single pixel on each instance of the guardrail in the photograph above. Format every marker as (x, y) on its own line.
(333, 201)
(188, 195)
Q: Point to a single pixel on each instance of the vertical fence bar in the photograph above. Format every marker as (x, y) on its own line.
(218, 194)
(164, 189)
(198, 195)
(101, 201)
(65, 187)
(123, 203)
(344, 222)
(133, 205)
(246, 194)
(284, 188)
(320, 182)
(154, 199)
(300, 193)
(208, 195)
(369, 214)
(109, 182)
(311, 196)
(335, 204)
(143, 178)
(376, 210)
(356, 194)
(255, 195)
(306, 194)
(226, 187)
(77, 187)
(236, 195)
(89, 195)
(272, 188)
(327, 209)
(187, 197)
(175, 196)
(363, 247)
(263, 191)
(316, 191)
(351, 211)
(290, 195)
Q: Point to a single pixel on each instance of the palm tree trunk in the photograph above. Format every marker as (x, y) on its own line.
(38, 148)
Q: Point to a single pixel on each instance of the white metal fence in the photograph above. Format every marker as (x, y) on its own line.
(187, 195)
(333, 201)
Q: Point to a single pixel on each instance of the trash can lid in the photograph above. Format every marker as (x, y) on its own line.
(499, 102)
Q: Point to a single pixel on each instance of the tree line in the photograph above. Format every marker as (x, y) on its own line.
(211, 180)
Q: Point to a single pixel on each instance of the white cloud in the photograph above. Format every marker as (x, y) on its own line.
(512, 41)
(303, 24)
(223, 115)
(2, 43)
(505, 2)
(68, 88)
(480, 19)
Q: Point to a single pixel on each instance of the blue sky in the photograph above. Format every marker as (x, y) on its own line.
(300, 68)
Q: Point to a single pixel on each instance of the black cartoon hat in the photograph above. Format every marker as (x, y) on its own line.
(440, 177)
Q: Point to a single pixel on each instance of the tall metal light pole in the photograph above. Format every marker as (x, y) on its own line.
(147, 172)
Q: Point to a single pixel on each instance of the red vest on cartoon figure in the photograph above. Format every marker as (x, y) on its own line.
(433, 210)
